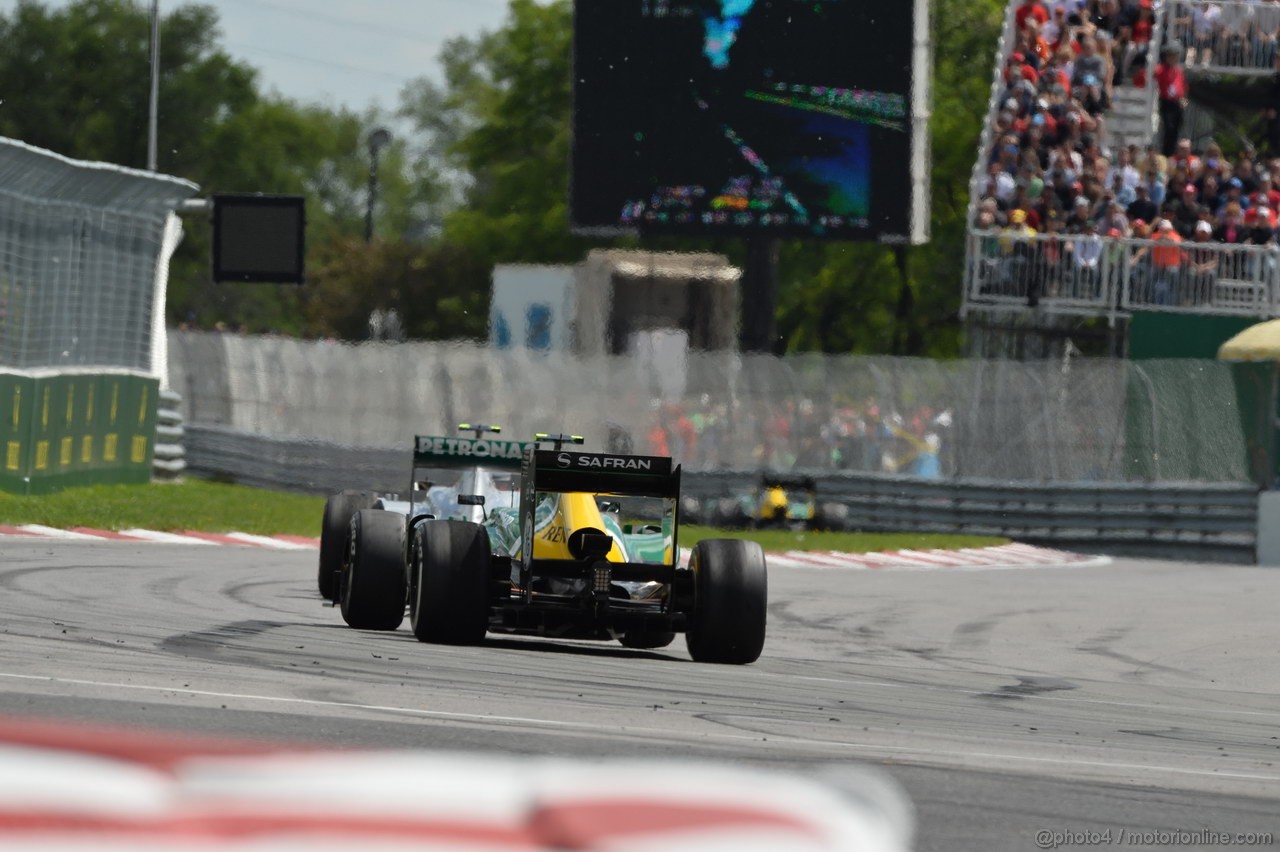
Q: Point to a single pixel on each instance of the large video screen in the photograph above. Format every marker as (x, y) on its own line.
(791, 117)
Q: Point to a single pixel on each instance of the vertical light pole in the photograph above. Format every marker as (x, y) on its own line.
(378, 139)
(153, 108)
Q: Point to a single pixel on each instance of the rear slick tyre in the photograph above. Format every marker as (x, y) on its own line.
(338, 510)
(730, 600)
(449, 593)
(373, 587)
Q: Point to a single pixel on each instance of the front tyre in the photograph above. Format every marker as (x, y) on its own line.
(730, 598)
(449, 593)
(373, 587)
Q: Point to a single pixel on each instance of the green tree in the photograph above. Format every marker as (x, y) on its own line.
(76, 79)
(431, 288)
(502, 122)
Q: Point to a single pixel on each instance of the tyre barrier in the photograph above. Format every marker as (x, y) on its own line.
(170, 458)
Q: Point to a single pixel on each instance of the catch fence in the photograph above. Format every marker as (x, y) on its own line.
(84, 254)
(1073, 420)
(84, 250)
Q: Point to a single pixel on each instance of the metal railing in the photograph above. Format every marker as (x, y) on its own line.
(1102, 276)
(1187, 521)
(1160, 27)
(1227, 36)
(1202, 521)
(977, 179)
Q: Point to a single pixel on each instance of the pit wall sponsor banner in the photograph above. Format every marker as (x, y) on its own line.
(449, 451)
(65, 430)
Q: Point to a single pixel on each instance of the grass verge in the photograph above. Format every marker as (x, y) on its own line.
(217, 507)
(193, 504)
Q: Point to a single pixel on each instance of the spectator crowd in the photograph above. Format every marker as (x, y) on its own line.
(1053, 171)
(805, 434)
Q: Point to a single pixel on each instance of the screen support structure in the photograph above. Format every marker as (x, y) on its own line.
(760, 296)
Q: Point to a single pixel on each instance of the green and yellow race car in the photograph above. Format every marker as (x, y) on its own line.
(576, 545)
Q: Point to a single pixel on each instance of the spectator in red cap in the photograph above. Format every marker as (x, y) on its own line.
(1186, 211)
(1031, 9)
(1013, 70)
(1262, 231)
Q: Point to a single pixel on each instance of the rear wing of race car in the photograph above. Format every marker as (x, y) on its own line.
(456, 451)
(568, 470)
(628, 476)
(452, 452)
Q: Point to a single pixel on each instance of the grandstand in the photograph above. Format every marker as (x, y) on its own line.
(1096, 194)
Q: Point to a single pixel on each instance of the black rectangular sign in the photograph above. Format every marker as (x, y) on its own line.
(259, 238)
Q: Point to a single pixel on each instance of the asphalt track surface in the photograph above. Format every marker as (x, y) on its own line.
(1136, 696)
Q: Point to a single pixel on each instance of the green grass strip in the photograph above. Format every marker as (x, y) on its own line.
(189, 505)
(204, 506)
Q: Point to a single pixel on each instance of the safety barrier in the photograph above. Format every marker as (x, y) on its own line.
(67, 428)
(169, 459)
(1186, 521)
(1176, 520)
(293, 464)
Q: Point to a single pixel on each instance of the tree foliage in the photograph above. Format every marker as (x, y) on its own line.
(481, 178)
(430, 287)
(503, 120)
(76, 79)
